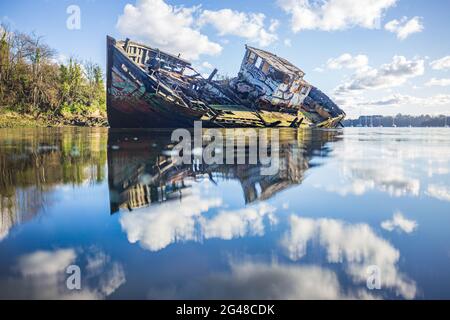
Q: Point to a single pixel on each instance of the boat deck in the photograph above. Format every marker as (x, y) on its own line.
(231, 115)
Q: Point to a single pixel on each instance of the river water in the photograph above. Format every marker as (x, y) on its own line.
(359, 213)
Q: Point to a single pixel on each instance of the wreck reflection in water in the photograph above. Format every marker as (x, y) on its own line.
(140, 226)
(141, 170)
(35, 162)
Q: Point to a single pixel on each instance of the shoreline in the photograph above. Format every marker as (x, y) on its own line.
(14, 119)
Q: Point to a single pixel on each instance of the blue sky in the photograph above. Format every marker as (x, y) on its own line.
(371, 56)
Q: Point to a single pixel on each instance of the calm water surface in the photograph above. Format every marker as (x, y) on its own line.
(138, 226)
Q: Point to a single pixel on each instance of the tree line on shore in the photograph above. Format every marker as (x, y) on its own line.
(32, 81)
(399, 120)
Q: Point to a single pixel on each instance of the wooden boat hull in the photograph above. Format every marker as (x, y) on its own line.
(134, 99)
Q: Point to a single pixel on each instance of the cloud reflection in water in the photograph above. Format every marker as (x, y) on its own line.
(397, 162)
(156, 227)
(400, 223)
(356, 246)
(254, 280)
(42, 275)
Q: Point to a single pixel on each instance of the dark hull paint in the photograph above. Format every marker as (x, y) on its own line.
(133, 101)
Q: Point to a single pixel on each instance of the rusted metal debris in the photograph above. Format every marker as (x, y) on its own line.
(151, 88)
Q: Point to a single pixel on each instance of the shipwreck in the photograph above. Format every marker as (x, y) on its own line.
(150, 88)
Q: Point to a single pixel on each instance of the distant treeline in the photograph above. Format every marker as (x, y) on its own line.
(32, 81)
(399, 121)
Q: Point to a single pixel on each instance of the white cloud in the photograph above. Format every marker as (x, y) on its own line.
(246, 25)
(207, 65)
(441, 64)
(403, 28)
(274, 24)
(439, 99)
(287, 43)
(402, 100)
(319, 69)
(167, 27)
(228, 225)
(439, 192)
(42, 275)
(438, 168)
(393, 100)
(332, 15)
(348, 102)
(438, 83)
(388, 75)
(46, 262)
(251, 279)
(399, 222)
(157, 227)
(391, 181)
(178, 29)
(348, 61)
(366, 166)
(256, 280)
(356, 245)
(112, 279)
(60, 59)
(96, 261)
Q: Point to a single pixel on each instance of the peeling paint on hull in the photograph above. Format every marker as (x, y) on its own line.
(134, 100)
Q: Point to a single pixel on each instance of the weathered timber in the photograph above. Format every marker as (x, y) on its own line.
(149, 88)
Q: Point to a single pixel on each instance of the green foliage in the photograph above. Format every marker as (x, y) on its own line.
(32, 82)
(4, 53)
